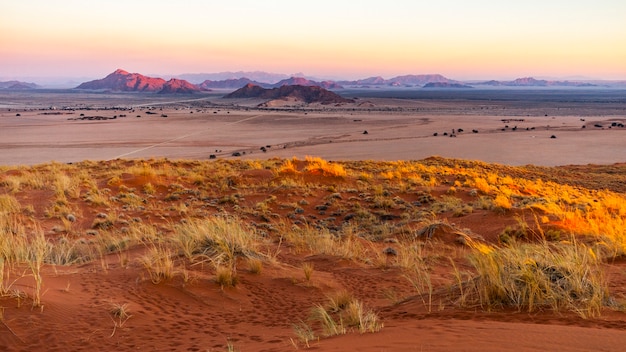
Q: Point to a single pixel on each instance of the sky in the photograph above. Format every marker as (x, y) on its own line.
(461, 39)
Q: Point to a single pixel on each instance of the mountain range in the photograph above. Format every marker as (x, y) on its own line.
(18, 85)
(258, 76)
(532, 82)
(239, 82)
(399, 81)
(123, 81)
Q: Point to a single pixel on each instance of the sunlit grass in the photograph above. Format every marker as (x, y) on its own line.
(195, 212)
(535, 276)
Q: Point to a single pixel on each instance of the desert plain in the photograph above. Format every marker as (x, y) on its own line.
(513, 127)
(158, 223)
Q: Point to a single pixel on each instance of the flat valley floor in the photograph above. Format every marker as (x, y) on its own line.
(516, 128)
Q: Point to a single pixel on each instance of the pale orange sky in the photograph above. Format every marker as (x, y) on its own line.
(460, 39)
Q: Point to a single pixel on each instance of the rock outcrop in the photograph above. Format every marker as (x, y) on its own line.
(294, 93)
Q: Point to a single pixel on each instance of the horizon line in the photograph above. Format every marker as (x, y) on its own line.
(74, 78)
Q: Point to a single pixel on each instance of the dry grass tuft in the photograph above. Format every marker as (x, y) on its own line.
(159, 264)
(220, 239)
(319, 166)
(226, 276)
(535, 276)
(348, 314)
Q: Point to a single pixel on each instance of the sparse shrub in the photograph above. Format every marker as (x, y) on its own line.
(339, 300)
(101, 224)
(120, 312)
(553, 235)
(149, 188)
(159, 264)
(220, 238)
(511, 234)
(482, 185)
(483, 202)
(447, 203)
(329, 325)
(288, 168)
(8, 204)
(322, 241)
(365, 177)
(114, 181)
(226, 276)
(96, 197)
(351, 314)
(502, 203)
(255, 265)
(66, 252)
(535, 276)
(319, 166)
(304, 332)
(365, 320)
(308, 269)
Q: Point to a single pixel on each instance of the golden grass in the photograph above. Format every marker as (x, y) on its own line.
(319, 166)
(534, 276)
(190, 203)
(221, 239)
(8, 204)
(159, 264)
(255, 265)
(344, 316)
(322, 241)
(226, 276)
(308, 269)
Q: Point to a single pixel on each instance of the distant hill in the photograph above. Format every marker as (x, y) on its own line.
(301, 81)
(179, 86)
(253, 76)
(123, 81)
(263, 79)
(446, 85)
(418, 80)
(375, 81)
(17, 85)
(532, 82)
(399, 81)
(232, 83)
(306, 94)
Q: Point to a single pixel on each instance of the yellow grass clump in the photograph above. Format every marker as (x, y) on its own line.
(534, 276)
(319, 166)
(221, 239)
